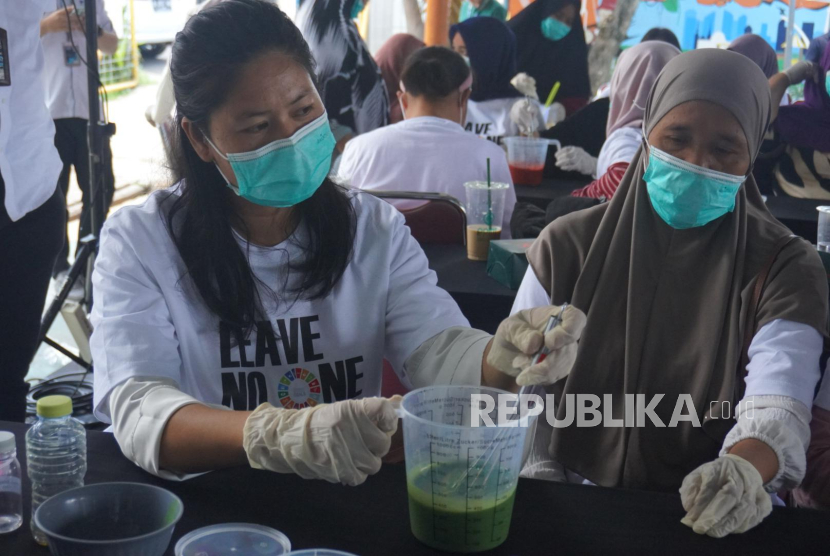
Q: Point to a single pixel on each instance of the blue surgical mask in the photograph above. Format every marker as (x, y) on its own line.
(827, 82)
(357, 7)
(554, 30)
(466, 60)
(686, 195)
(287, 171)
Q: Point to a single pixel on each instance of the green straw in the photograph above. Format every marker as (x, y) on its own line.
(552, 94)
(489, 218)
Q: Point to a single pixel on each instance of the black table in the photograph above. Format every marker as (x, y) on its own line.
(373, 520)
(483, 301)
(541, 195)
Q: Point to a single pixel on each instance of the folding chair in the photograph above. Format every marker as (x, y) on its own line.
(440, 220)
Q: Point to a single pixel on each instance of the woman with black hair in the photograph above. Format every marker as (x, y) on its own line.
(551, 49)
(255, 280)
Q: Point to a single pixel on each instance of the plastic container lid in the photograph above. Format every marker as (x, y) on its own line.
(319, 552)
(233, 539)
(7, 443)
(52, 407)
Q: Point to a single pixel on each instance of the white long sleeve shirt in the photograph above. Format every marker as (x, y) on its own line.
(148, 321)
(29, 161)
(67, 90)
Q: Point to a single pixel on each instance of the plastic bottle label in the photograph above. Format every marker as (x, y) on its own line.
(11, 484)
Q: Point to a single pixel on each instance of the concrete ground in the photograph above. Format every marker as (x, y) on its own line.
(139, 165)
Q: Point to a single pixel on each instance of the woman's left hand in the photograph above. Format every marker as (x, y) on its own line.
(724, 496)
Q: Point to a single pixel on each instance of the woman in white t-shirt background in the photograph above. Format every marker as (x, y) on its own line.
(490, 49)
(256, 284)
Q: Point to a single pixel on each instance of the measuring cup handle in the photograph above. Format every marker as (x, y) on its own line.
(555, 142)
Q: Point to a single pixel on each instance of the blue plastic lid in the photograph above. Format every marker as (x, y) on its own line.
(233, 539)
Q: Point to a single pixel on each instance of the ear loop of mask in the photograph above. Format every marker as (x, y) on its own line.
(235, 188)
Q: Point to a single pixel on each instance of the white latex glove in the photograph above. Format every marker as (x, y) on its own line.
(724, 496)
(339, 442)
(525, 85)
(576, 159)
(526, 115)
(800, 72)
(521, 336)
(556, 113)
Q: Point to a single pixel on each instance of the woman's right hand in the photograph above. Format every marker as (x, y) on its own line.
(339, 442)
(521, 336)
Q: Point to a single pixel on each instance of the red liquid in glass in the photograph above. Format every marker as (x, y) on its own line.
(527, 175)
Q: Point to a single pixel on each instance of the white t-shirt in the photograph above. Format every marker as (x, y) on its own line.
(620, 146)
(148, 323)
(490, 119)
(67, 91)
(425, 154)
(29, 161)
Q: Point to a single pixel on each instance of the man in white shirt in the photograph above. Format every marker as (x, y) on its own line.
(429, 151)
(67, 95)
(31, 212)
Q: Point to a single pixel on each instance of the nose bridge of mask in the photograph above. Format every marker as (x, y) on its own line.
(279, 143)
(707, 173)
(729, 179)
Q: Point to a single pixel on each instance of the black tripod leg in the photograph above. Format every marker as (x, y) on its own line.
(88, 247)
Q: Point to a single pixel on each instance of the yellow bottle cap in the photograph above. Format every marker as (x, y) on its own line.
(52, 407)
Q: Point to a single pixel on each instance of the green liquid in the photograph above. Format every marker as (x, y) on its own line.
(463, 515)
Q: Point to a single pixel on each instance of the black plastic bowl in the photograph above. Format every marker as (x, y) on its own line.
(110, 519)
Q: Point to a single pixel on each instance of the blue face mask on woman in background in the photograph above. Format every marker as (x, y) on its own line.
(357, 7)
(285, 172)
(554, 30)
(686, 195)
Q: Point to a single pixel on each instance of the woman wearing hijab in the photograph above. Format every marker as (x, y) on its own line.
(803, 130)
(552, 49)
(391, 59)
(666, 275)
(353, 91)
(758, 50)
(489, 46)
(637, 70)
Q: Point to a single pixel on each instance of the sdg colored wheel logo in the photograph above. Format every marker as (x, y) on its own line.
(299, 388)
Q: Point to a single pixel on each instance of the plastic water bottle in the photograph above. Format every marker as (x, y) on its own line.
(11, 491)
(55, 453)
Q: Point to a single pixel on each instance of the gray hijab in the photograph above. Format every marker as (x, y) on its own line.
(666, 308)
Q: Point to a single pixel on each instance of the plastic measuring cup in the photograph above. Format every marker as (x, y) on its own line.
(526, 158)
(461, 479)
